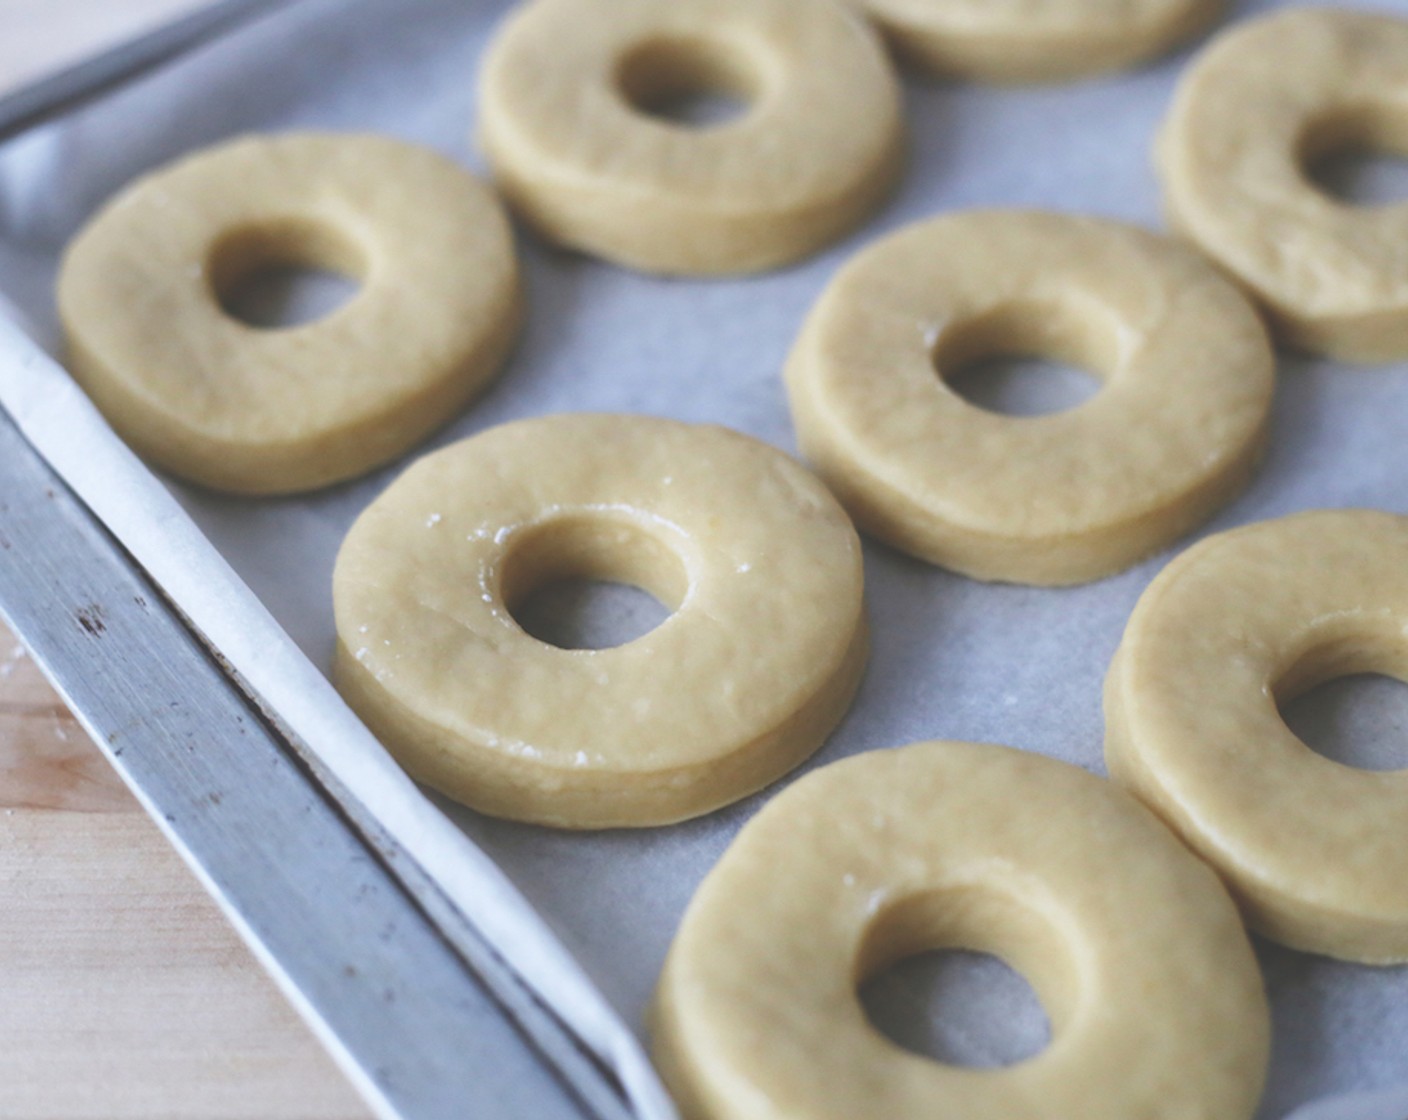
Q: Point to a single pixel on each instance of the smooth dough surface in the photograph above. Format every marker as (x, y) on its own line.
(745, 679)
(1035, 40)
(1312, 849)
(1132, 945)
(1175, 431)
(818, 146)
(1267, 98)
(241, 408)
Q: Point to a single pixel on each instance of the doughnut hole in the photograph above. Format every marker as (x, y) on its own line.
(1358, 155)
(592, 582)
(1028, 358)
(1340, 694)
(966, 976)
(284, 274)
(690, 82)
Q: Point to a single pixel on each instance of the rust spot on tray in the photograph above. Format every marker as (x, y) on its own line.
(91, 618)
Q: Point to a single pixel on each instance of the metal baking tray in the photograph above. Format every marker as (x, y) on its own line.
(952, 658)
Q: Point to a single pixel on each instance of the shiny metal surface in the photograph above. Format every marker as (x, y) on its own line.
(417, 1005)
(420, 1023)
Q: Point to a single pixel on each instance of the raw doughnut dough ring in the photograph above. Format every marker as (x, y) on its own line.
(259, 411)
(747, 677)
(817, 149)
(1176, 430)
(1314, 850)
(1134, 948)
(1018, 41)
(1262, 101)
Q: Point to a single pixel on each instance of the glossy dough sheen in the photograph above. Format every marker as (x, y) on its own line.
(1314, 850)
(254, 410)
(1265, 98)
(1132, 945)
(1035, 40)
(1176, 430)
(818, 148)
(747, 677)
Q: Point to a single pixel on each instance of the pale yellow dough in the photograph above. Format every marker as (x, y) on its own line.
(1265, 99)
(1175, 431)
(1035, 40)
(1133, 947)
(267, 411)
(760, 659)
(817, 149)
(1314, 850)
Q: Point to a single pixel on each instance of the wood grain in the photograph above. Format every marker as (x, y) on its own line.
(126, 994)
(46, 760)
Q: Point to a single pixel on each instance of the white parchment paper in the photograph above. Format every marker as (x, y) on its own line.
(952, 658)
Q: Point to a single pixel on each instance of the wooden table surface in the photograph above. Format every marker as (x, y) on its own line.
(125, 993)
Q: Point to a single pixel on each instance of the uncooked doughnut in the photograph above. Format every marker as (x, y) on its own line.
(563, 97)
(1314, 850)
(266, 411)
(758, 662)
(1175, 431)
(1035, 40)
(1267, 98)
(1134, 948)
